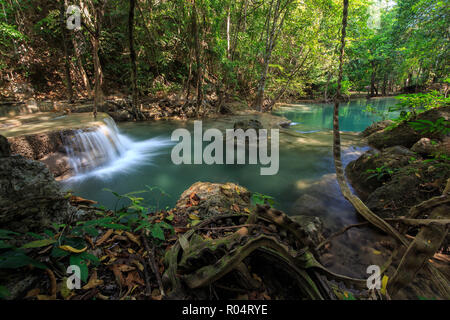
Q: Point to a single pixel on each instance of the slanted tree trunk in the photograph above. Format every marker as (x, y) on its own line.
(66, 53)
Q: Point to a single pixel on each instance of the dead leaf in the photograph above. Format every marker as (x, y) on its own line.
(33, 293)
(104, 237)
(133, 238)
(93, 281)
(72, 249)
(79, 200)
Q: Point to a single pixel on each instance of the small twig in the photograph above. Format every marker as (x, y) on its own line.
(152, 262)
(334, 235)
(230, 227)
(51, 275)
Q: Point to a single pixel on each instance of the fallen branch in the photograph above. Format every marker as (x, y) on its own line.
(338, 233)
(152, 262)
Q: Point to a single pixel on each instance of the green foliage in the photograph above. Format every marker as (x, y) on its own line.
(440, 126)
(136, 216)
(379, 173)
(68, 242)
(4, 293)
(262, 199)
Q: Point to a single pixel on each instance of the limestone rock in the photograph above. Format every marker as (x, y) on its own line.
(30, 199)
(207, 199)
(425, 147)
(375, 127)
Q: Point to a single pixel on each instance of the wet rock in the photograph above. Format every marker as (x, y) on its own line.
(425, 147)
(392, 158)
(37, 146)
(248, 124)
(285, 124)
(120, 116)
(404, 135)
(375, 127)
(313, 226)
(207, 199)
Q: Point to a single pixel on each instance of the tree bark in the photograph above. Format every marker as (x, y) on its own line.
(196, 36)
(273, 28)
(136, 112)
(66, 53)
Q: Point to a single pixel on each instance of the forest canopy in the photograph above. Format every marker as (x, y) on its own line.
(254, 49)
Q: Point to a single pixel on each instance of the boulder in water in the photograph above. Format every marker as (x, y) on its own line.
(207, 199)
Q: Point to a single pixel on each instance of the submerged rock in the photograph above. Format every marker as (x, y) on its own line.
(248, 124)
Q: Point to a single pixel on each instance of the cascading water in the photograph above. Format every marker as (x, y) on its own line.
(103, 150)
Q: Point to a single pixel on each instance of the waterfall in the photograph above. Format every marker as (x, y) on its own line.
(103, 150)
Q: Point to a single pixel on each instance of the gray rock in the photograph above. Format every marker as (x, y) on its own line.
(313, 226)
(425, 147)
(375, 127)
(30, 199)
(248, 124)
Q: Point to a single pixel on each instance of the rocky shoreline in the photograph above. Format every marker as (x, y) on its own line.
(404, 167)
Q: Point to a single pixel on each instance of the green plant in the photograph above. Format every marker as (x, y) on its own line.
(136, 216)
(379, 172)
(262, 199)
(374, 111)
(423, 126)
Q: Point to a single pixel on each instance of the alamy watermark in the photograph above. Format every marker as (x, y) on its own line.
(255, 142)
(73, 13)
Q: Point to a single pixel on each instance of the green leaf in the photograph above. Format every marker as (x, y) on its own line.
(157, 232)
(90, 257)
(6, 234)
(116, 226)
(16, 259)
(59, 253)
(77, 260)
(38, 243)
(4, 245)
(35, 235)
(4, 293)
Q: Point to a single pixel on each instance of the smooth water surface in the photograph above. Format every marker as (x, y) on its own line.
(305, 183)
(352, 115)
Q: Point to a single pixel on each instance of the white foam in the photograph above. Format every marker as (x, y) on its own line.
(104, 151)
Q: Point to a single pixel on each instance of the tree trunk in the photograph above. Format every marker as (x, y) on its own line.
(196, 36)
(66, 54)
(98, 74)
(80, 68)
(228, 32)
(384, 87)
(372, 80)
(136, 112)
(326, 86)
